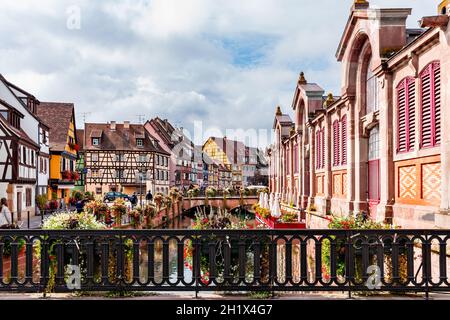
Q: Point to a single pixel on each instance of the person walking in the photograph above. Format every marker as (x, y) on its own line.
(5, 214)
(134, 199)
(149, 197)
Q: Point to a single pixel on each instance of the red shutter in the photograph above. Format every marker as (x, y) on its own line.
(430, 80)
(344, 140)
(406, 103)
(318, 149)
(437, 103)
(322, 152)
(411, 109)
(335, 143)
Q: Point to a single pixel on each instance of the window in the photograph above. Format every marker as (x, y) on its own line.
(119, 174)
(24, 157)
(142, 158)
(95, 157)
(374, 144)
(95, 141)
(320, 149)
(140, 143)
(120, 157)
(336, 138)
(318, 165)
(430, 101)
(28, 195)
(344, 140)
(406, 103)
(371, 90)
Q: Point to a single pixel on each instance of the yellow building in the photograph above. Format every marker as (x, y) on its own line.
(60, 117)
(230, 153)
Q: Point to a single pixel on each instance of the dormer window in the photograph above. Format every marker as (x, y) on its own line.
(95, 141)
(140, 143)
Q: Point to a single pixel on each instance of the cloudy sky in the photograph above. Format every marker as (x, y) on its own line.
(227, 63)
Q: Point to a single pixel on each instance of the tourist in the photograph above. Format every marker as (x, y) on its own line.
(149, 196)
(134, 199)
(5, 214)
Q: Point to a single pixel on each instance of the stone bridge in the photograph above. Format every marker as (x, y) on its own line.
(229, 203)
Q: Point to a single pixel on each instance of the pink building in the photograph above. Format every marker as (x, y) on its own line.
(380, 146)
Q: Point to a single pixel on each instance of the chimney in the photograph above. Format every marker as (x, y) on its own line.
(126, 124)
(113, 125)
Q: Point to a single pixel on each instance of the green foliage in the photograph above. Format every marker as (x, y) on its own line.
(77, 195)
(7, 245)
(41, 201)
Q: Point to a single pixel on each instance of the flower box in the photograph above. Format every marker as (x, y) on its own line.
(273, 223)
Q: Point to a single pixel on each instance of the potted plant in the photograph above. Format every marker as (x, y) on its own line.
(149, 212)
(159, 197)
(118, 210)
(135, 216)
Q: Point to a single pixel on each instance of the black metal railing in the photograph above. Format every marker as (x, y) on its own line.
(225, 260)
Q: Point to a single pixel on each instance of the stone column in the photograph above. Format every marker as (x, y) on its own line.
(312, 168)
(387, 169)
(360, 161)
(442, 219)
(351, 168)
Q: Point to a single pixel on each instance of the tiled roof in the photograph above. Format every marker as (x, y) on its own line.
(57, 116)
(80, 138)
(122, 138)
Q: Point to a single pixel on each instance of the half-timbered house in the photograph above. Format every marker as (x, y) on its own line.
(60, 117)
(124, 158)
(23, 148)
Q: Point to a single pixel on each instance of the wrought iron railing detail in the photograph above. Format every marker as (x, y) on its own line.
(226, 260)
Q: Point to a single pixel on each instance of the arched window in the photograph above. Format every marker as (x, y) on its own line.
(344, 140)
(406, 120)
(430, 102)
(336, 138)
(371, 90)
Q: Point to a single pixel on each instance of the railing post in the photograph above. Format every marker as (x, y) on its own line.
(28, 219)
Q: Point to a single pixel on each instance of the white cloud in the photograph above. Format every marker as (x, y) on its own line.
(226, 62)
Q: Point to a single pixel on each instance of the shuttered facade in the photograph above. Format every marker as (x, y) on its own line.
(406, 122)
(430, 85)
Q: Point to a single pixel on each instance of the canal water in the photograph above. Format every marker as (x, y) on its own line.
(182, 222)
